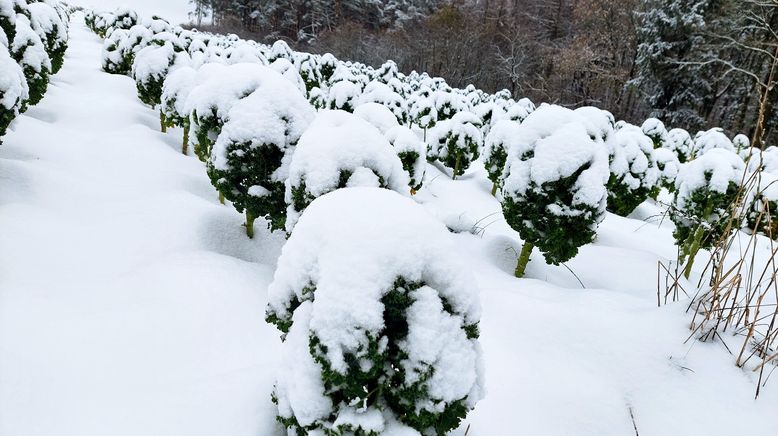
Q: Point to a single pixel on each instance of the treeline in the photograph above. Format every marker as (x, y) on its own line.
(692, 63)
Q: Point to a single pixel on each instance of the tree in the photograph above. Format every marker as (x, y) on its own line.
(373, 343)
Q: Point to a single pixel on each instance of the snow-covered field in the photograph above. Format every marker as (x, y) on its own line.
(177, 11)
(132, 303)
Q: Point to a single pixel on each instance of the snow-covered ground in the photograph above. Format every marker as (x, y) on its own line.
(132, 303)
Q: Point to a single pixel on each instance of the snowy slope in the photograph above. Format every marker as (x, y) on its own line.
(131, 302)
(177, 11)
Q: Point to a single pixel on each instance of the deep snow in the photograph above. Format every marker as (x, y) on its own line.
(131, 302)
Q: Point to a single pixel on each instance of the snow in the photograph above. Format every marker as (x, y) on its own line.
(177, 11)
(131, 302)
(378, 115)
(13, 85)
(630, 161)
(712, 139)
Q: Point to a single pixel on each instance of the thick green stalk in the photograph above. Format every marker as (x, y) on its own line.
(185, 145)
(162, 124)
(695, 247)
(250, 224)
(221, 197)
(521, 265)
(494, 190)
(457, 166)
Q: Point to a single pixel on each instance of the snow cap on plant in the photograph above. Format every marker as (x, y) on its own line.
(711, 139)
(456, 142)
(378, 115)
(13, 90)
(519, 110)
(340, 150)
(655, 129)
(377, 92)
(379, 337)
(343, 95)
(680, 142)
(249, 161)
(633, 175)
(412, 152)
(28, 50)
(554, 191)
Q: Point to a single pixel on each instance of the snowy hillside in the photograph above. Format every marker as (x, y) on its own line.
(133, 303)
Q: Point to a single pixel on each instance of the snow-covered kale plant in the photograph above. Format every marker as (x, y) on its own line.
(176, 87)
(519, 110)
(343, 95)
(422, 112)
(149, 70)
(383, 340)
(52, 29)
(711, 139)
(30, 52)
(412, 153)
(655, 129)
(339, 150)
(762, 213)
(456, 142)
(633, 176)
(668, 166)
(706, 188)
(217, 89)
(13, 90)
(496, 145)
(680, 142)
(377, 92)
(378, 115)
(554, 191)
(248, 163)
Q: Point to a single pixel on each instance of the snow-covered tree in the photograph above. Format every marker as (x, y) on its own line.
(248, 163)
(412, 153)
(374, 343)
(30, 52)
(633, 175)
(554, 191)
(13, 90)
(340, 150)
(456, 142)
(705, 190)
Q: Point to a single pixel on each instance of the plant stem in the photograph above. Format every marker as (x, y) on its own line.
(221, 198)
(457, 166)
(185, 145)
(521, 265)
(494, 190)
(695, 247)
(250, 224)
(162, 121)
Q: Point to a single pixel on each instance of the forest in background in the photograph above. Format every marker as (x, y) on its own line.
(694, 64)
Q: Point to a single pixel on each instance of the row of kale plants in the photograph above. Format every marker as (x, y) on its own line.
(278, 129)
(33, 40)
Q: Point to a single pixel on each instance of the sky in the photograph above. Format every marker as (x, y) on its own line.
(175, 11)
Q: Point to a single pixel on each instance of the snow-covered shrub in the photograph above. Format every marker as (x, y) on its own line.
(8, 18)
(712, 139)
(705, 190)
(308, 68)
(121, 46)
(13, 90)
(520, 110)
(338, 150)
(668, 166)
(412, 153)
(317, 98)
(422, 112)
(30, 52)
(742, 145)
(383, 340)
(762, 213)
(343, 96)
(633, 175)
(680, 142)
(280, 50)
(496, 145)
(123, 18)
(386, 72)
(447, 104)
(218, 87)
(655, 129)
(248, 161)
(52, 30)
(378, 115)
(288, 70)
(377, 92)
(149, 70)
(554, 191)
(175, 90)
(456, 142)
